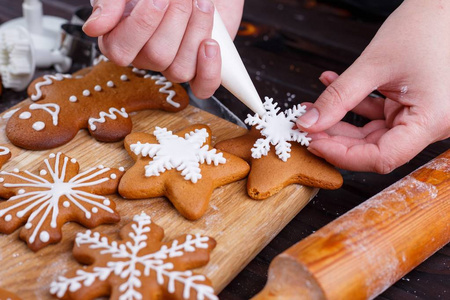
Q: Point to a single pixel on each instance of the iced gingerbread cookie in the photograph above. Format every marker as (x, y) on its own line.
(57, 194)
(6, 295)
(275, 150)
(99, 99)
(182, 166)
(139, 266)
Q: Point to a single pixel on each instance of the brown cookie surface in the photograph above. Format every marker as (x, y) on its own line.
(269, 174)
(182, 166)
(57, 194)
(6, 295)
(139, 266)
(99, 98)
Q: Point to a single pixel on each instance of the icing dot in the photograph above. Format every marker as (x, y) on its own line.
(95, 210)
(110, 84)
(44, 236)
(16, 170)
(86, 93)
(43, 172)
(21, 191)
(38, 126)
(106, 202)
(123, 77)
(8, 218)
(97, 88)
(28, 226)
(73, 99)
(25, 115)
(2, 179)
(121, 169)
(73, 160)
(66, 203)
(113, 176)
(52, 155)
(87, 215)
(101, 166)
(20, 214)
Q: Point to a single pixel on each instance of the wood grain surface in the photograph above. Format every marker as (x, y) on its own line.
(241, 226)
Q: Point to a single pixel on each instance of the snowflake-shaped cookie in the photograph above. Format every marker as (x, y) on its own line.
(140, 266)
(59, 194)
(277, 129)
(182, 166)
(175, 152)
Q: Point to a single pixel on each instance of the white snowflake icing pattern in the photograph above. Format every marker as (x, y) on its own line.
(174, 152)
(47, 197)
(127, 268)
(278, 129)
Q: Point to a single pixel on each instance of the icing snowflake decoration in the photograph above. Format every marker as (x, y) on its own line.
(44, 201)
(277, 129)
(137, 262)
(174, 152)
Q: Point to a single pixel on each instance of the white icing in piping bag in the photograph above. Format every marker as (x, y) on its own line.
(235, 77)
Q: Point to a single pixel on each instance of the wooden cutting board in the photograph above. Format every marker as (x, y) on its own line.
(241, 226)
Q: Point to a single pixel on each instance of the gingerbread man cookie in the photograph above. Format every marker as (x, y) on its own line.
(183, 167)
(58, 194)
(99, 99)
(274, 146)
(140, 266)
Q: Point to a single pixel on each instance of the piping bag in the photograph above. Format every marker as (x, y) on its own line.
(235, 77)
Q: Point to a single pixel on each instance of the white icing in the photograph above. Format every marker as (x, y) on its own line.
(110, 84)
(139, 71)
(73, 98)
(100, 166)
(174, 152)
(28, 225)
(131, 260)
(43, 202)
(277, 129)
(106, 202)
(161, 80)
(25, 115)
(97, 88)
(38, 126)
(113, 176)
(51, 108)
(21, 191)
(121, 169)
(44, 236)
(86, 93)
(66, 204)
(16, 170)
(95, 210)
(123, 77)
(100, 58)
(8, 218)
(10, 113)
(4, 150)
(2, 179)
(112, 115)
(43, 172)
(48, 80)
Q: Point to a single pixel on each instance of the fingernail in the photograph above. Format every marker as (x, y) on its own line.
(309, 118)
(324, 80)
(161, 4)
(95, 14)
(210, 49)
(205, 6)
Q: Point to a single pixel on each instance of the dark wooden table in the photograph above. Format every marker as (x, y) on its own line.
(285, 45)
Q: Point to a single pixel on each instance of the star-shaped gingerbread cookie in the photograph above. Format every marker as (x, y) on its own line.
(139, 266)
(99, 98)
(182, 166)
(269, 174)
(59, 193)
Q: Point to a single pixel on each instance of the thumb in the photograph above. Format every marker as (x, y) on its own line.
(105, 15)
(341, 96)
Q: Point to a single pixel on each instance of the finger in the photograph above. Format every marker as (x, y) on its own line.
(394, 148)
(105, 16)
(209, 65)
(199, 28)
(124, 42)
(371, 108)
(160, 51)
(328, 77)
(341, 96)
(349, 130)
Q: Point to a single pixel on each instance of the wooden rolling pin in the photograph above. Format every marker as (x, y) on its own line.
(362, 253)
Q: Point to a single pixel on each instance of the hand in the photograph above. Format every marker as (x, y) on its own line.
(408, 61)
(169, 36)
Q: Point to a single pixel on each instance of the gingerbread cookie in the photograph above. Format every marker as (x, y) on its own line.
(5, 154)
(6, 295)
(274, 146)
(140, 266)
(99, 99)
(58, 194)
(183, 167)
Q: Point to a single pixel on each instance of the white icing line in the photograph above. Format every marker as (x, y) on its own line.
(48, 80)
(46, 107)
(10, 113)
(161, 80)
(4, 150)
(112, 115)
